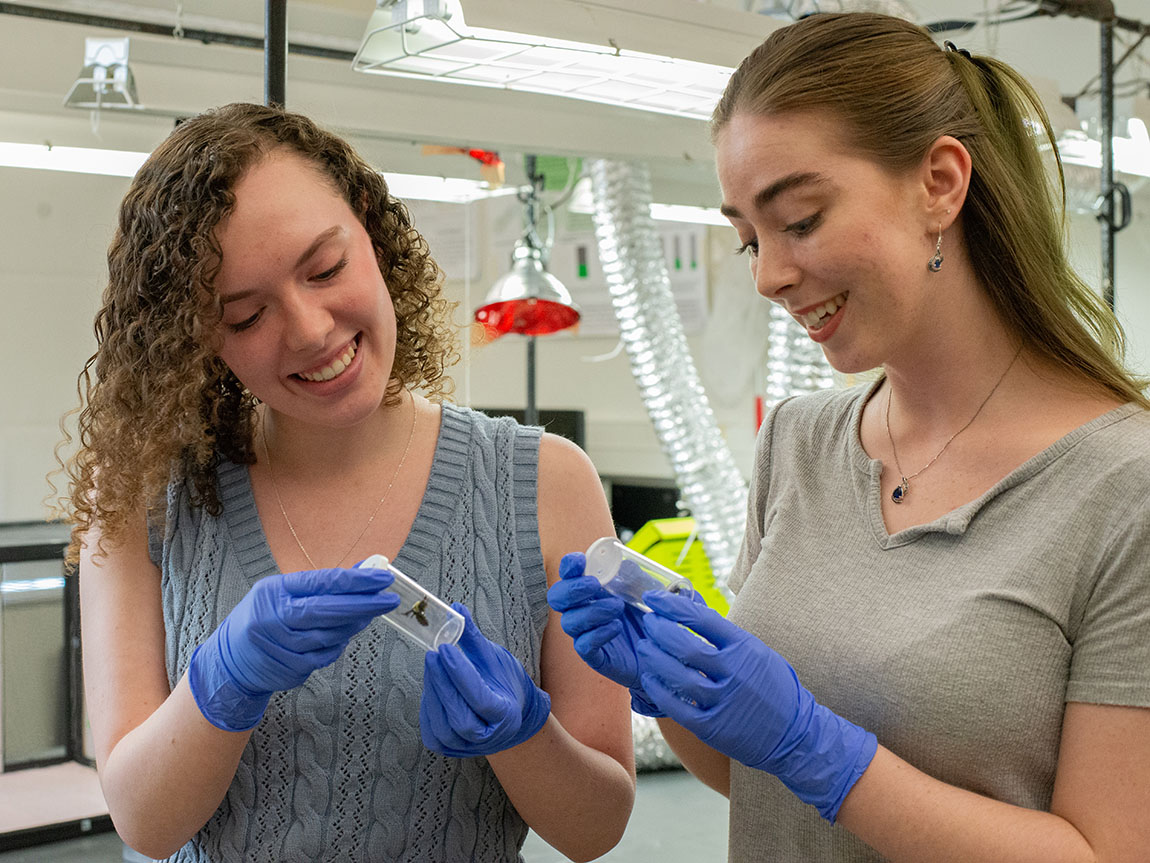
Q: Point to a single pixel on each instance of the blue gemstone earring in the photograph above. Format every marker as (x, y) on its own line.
(935, 263)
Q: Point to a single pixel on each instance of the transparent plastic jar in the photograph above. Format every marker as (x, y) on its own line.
(628, 574)
(421, 616)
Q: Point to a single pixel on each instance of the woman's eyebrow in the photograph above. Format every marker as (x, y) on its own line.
(767, 194)
(318, 242)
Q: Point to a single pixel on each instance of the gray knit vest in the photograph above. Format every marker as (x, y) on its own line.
(336, 771)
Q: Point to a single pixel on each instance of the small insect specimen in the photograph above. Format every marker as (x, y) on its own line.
(418, 611)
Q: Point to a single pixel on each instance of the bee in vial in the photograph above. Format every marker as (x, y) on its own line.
(418, 611)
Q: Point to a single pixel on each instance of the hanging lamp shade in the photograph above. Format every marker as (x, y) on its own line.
(527, 300)
(103, 87)
(106, 79)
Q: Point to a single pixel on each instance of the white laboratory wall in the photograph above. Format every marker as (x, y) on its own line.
(54, 230)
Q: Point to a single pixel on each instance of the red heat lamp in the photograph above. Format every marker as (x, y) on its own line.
(527, 300)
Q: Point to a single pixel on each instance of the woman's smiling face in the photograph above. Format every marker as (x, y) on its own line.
(838, 241)
(308, 325)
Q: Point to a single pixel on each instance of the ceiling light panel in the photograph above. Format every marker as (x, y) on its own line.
(431, 40)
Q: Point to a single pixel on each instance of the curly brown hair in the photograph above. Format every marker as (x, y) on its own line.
(157, 404)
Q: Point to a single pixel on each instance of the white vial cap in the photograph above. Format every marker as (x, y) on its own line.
(604, 557)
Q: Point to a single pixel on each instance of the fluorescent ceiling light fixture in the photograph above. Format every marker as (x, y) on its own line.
(80, 160)
(428, 39)
(693, 215)
(123, 163)
(583, 202)
(452, 190)
(1131, 152)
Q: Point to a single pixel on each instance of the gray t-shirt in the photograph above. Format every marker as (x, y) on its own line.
(956, 642)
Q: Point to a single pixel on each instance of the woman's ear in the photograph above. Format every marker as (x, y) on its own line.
(945, 174)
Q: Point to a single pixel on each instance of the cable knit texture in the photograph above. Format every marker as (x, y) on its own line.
(336, 770)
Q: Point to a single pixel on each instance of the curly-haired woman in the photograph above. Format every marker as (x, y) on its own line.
(251, 430)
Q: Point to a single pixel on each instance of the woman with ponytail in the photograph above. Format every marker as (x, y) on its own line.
(940, 645)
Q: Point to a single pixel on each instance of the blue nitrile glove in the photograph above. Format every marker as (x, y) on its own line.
(477, 698)
(285, 628)
(605, 628)
(748, 703)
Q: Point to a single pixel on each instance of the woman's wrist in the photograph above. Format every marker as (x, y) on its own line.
(222, 701)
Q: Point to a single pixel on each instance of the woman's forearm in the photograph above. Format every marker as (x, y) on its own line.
(597, 792)
(163, 780)
(708, 765)
(906, 815)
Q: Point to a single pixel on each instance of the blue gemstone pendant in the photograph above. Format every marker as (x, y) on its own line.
(900, 491)
(935, 263)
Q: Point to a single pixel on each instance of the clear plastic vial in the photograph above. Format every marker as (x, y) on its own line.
(421, 616)
(627, 574)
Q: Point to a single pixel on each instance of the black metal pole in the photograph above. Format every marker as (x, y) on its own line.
(530, 414)
(1106, 214)
(73, 671)
(191, 34)
(275, 52)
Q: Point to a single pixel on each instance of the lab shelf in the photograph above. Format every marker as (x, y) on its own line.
(58, 796)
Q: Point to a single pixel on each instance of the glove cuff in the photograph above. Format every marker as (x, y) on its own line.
(825, 763)
(222, 702)
(866, 745)
(644, 706)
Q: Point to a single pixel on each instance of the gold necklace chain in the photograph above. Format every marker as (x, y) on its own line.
(903, 488)
(374, 512)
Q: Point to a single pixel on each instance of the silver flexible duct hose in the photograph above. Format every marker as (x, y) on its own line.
(651, 330)
(652, 752)
(795, 364)
(631, 255)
